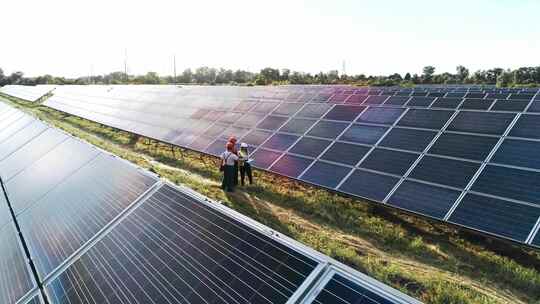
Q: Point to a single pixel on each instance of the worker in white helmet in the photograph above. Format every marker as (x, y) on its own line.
(244, 164)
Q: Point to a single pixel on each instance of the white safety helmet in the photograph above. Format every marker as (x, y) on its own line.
(243, 145)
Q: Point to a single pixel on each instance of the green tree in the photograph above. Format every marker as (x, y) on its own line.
(285, 74)
(151, 78)
(504, 79)
(261, 80)
(407, 77)
(270, 74)
(427, 74)
(462, 73)
(186, 76)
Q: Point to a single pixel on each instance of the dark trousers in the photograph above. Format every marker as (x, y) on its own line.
(228, 179)
(235, 177)
(246, 170)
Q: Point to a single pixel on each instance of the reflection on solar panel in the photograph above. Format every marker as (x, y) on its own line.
(99, 230)
(203, 257)
(29, 93)
(442, 140)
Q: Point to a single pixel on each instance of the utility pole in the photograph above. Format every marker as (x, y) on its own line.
(343, 71)
(125, 66)
(174, 63)
(91, 74)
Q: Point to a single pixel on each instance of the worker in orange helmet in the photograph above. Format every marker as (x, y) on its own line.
(233, 140)
(228, 159)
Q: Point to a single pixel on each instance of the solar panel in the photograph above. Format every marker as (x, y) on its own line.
(408, 139)
(80, 207)
(419, 197)
(29, 93)
(325, 174)
(517, 152)
(14, 163)
(35, 300)
(16, 279)
(375, 144)
(496, 216)
(174, 249)
(5, 213)
(481, 122)
(291, 165)
(340, 287)
(99, 230)
(57, 165)
(518, 184)
(20, 138)
(463, 146)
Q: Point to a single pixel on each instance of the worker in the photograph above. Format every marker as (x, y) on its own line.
(228, 159)
(244, 164)
(232, 140)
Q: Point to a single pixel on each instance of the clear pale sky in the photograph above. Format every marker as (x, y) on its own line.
(72, 37)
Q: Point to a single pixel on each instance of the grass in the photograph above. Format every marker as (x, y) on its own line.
(431, 261)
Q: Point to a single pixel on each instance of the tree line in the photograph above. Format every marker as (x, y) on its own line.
(525, 76)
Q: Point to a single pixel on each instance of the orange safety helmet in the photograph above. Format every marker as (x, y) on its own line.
(232, 140)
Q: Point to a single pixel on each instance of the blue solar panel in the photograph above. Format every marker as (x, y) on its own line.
(325, 174)
(526, 126)
(328, 125)
(341, 290)
(16, 279)
(291, 165)
(481, 122)
(463, 146)
(408, 139)
(389, 161)
(311, 147)
(363, 134)
(444, 171)
(79, 208)
(202, 257)
(510, 183)
(425, 199)
(380, 115)
(428, 119)
(369, 185)
(497, 216)
(66, 159)
(516, 152)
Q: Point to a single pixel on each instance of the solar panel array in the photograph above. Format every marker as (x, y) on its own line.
(28, 93)
(97, 229)
(438, 152)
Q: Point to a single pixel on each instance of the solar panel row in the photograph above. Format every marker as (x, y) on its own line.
(433, 161)
(28, 93)
(99, 230)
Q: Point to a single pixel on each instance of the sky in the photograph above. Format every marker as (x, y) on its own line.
(74, 38)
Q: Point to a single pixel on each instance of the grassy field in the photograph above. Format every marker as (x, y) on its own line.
(428, 260)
